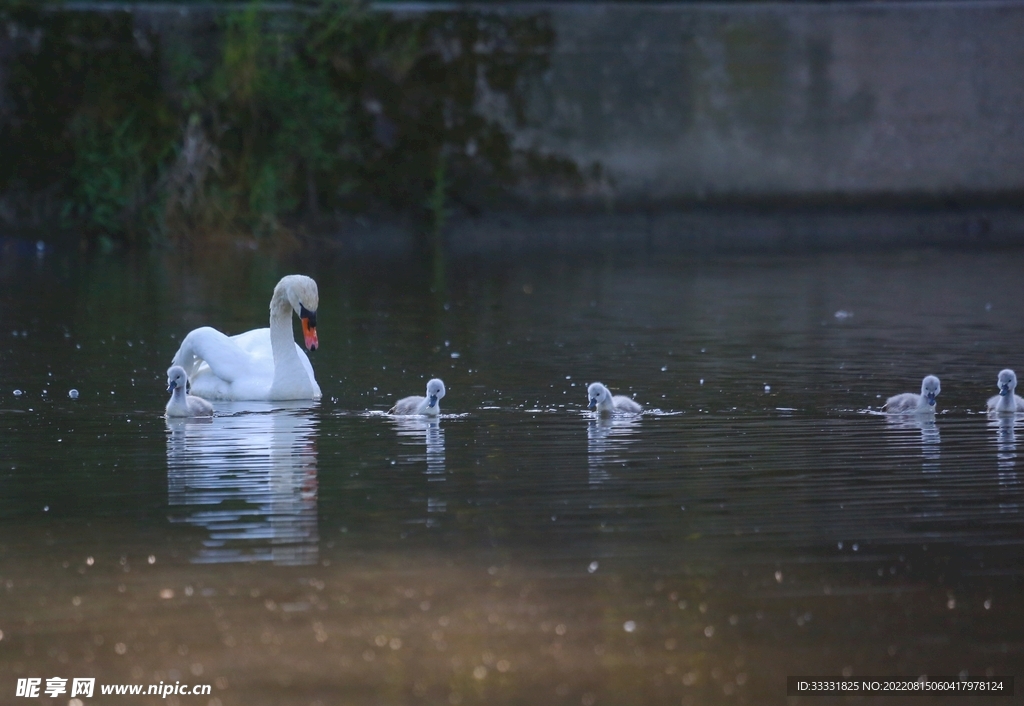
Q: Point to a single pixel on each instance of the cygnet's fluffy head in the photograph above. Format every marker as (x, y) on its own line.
(597, 393)
(930, 389)
(176, 378)
(435, 391)
(302, 294)
(1007, 382)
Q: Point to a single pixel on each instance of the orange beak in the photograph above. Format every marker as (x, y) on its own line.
(309, 333)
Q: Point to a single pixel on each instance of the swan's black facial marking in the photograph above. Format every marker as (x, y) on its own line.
(309, 316)
(308, 319)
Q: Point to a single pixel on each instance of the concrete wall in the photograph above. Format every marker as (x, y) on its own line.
(805, 100)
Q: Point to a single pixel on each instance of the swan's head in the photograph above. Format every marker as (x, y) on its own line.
(176, 378)
(304, 298)
(597, 393)
(1007, 382)
(930, 389)
(435, 391)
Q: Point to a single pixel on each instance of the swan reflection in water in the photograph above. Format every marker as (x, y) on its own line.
(1005, 427)
(930, 438)
(414, 431)
(607, 437)
(249, 479)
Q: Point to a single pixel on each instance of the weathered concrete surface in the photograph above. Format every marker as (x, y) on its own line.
(694, 101)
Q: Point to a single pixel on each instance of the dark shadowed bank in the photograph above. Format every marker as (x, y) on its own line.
(495, 126)
(159, 127)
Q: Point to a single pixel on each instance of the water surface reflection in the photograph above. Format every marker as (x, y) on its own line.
(422, 442)
(1005, 427)
(931, 439)
(608, 438)
(248, 477)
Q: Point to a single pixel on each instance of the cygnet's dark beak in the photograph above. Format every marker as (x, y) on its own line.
(1004, 390)
(931, 398)
(593, 403)
(433, 401)
(171, 385)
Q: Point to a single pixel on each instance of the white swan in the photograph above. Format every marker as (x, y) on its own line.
(182, 404)
(422, 405)
(262, 364)
(1006, 402)
(602, 400)
(912, 403)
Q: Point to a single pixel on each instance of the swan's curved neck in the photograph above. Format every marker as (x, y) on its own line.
(177, 400)
(1007, 402)
(282, 342)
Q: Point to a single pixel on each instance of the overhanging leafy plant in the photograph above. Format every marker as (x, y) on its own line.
(288, 118)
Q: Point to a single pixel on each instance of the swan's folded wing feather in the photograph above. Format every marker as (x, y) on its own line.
(198, 407)
(407, 405)
(626, 404)
(227, 360)
(902, 403)
(255, 343)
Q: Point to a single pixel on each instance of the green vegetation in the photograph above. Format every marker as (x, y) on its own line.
(250, 121)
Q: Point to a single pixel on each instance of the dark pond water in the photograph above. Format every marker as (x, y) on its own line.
(759, 520)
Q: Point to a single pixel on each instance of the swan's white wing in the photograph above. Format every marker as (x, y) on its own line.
(224, 356)
(259, 355)
(242, 367)
(256, 345)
